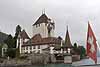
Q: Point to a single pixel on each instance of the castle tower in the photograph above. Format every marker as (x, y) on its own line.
(44, 26)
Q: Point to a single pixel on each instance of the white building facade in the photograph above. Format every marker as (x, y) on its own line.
(44, 26)
(43, 37)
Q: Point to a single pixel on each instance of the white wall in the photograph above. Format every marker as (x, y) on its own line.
(36, 50)
(42, 30)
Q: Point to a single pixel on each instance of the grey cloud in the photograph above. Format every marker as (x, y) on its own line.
(74, 13)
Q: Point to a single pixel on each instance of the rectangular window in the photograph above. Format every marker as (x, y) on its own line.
(30, 47)
(33, 47)
(26, 48)
(39, 51)
(38, 46)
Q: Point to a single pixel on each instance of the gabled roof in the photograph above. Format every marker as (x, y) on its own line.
(67, 40)
(38, 40)
(24, 35)
(42, 19)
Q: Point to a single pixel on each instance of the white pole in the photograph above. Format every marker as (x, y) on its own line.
(2, 52)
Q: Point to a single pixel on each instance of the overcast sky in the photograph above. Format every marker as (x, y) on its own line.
(74, 13)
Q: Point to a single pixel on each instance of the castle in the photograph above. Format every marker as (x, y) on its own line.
(43, 39)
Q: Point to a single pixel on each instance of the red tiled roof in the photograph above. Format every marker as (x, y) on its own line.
(24, 35)
(42, 19)
(38, 40)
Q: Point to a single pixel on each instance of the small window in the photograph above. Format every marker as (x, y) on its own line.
(38, 46)
(33, 47)
(26, 48)
(30, 51)
(38, 51)
(30, 47)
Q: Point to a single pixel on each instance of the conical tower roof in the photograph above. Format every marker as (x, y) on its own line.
(67, 39)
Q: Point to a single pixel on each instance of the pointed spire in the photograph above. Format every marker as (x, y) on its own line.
(43, 11)
(67, 39)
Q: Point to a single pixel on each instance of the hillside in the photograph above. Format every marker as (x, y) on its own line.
(3, 36)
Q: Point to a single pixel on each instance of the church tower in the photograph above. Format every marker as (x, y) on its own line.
(67, 46)
(67, 39)
(44, 26)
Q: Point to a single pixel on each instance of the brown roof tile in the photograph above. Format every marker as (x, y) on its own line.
(42, 19)
(24, 35)
(38, 40)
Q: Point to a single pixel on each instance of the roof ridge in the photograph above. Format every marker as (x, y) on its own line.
(42, 19)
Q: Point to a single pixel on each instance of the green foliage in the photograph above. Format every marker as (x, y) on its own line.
(3, 36)
(0, 50)
(82, 51)
(75, 45)
(79, 50)
(11, 46)
(18, 30)
(11, 52)
(10, 41)
(17, 53)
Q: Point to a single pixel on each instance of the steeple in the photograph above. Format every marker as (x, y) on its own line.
(43, 11)
(67, 39)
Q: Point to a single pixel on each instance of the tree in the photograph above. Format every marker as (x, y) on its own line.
(82, 51)
(18, 30)
(11, 52)
(75, 45)
(10, 43)
(0, 50)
